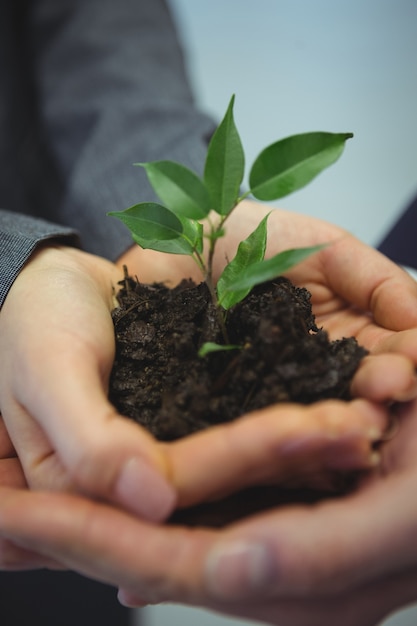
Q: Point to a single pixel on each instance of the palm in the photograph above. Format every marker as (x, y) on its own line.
(370, 300)
(339, 317)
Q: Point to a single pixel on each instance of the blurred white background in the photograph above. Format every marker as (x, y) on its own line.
(304, 65)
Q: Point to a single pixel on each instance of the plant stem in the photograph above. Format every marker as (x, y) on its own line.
(218, 309)
(213, 237)
(207, 270)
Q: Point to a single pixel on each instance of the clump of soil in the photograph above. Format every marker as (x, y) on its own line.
(159, 381)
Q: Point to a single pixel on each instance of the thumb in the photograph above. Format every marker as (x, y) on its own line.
(103, 454)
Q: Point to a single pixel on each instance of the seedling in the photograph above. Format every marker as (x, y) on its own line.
(185, 219)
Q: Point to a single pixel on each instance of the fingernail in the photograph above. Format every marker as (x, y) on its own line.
(130, 600)
(144, 491)
(374, 434)
(235, 570)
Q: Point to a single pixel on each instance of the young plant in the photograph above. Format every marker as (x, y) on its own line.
(188, 200)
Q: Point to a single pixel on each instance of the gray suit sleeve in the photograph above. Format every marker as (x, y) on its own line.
(112, 91)
(19, 236)
(89, 88)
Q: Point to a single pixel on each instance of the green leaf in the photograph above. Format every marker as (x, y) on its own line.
(209, 347)
(250, 251)
(225, 164)
(150, 221)
(179, 188)
(292, 163)
(154, 227)
(269, 269)
(188, 242)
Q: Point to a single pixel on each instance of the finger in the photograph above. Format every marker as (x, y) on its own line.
(386, 290)
(404, 342)
(99, 541)
(15, 558)
(306, 553)
(12, 556)
(365, 606)
(387, 377)
(100, 452)
(130, 599)
(279, 444)
(169, 564)
(64, 395)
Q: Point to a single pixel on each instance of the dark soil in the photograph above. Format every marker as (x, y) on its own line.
(159, 380)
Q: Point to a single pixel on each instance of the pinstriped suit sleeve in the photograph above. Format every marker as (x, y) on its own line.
(19, 236)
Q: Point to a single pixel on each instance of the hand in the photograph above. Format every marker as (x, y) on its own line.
(56, 341)
(57, 347)
(92, 567)
(355, 290)
(379, 306)
(65, 433)
(348, 561)
(348, 280)
(339, 585)
(13, 557)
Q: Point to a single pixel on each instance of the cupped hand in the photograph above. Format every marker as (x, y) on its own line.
(355, 290)
(57, 347)
(349, 561)
(57, 344)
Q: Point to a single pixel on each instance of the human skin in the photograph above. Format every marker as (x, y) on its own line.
(257, 448)
(86, 448)
(349, 561)
(56, 361)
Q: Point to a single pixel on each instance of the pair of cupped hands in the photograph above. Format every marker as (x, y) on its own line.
(83, 488)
